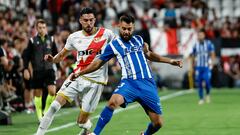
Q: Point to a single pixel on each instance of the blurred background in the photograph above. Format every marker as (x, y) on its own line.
(169, 26)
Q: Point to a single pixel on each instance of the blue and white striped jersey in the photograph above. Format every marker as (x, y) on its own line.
(201, 53)
(131, 57)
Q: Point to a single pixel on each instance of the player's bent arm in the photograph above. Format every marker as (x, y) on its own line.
(213, 56)
(157, 58)
(60, 56)
(92, 67)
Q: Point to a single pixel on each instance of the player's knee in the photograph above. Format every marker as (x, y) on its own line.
(115, 101)
(158, 124)
(61, 100)
(112, 104)
(52, 92)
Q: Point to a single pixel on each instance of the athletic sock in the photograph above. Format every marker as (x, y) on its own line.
(49, 100)
(38, 106)
(48, 117)
(200, 90)
(208, 87)
(104, 118)
(151, 129)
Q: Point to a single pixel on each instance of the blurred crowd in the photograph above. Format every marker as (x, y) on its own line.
(17, 18)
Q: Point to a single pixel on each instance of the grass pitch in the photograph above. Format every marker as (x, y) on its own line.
(182, 116)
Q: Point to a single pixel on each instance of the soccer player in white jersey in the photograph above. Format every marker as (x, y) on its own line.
(137, 83)
(88, 43)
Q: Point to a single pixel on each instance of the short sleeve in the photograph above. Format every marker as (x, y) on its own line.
(69, 44)
(140, 39)
(193, 51)
(111, 35)
(107, 53)
(210, 46)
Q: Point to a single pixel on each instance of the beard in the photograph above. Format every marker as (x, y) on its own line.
(88, 29)
(125, 37)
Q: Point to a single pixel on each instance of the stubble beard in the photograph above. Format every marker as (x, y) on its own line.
(125, 37)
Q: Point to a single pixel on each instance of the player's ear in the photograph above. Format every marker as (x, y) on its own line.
(80, 20)
(118, 25)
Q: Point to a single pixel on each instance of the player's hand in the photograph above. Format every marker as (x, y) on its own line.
(176, 62)
(26, 74)
(48, 57)
(73, 76)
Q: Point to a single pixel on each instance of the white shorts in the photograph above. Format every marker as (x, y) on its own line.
(89, 91)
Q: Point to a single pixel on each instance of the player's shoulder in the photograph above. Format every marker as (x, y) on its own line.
(115, 41)
(75, 34)
(209, 41)
(107, 31)
(138, 37)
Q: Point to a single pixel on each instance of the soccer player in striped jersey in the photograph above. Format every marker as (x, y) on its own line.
(88, 43)
(137, 83)
(202, 58)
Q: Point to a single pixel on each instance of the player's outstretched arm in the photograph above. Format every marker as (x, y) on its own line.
(58, 57)
(90, 68)
(157, 58)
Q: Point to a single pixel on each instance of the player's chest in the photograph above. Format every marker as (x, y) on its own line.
(88, 44)
(129, 50)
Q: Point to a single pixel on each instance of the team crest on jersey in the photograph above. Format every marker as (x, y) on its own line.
(96, 39)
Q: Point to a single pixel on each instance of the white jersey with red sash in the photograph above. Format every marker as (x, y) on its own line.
(89, 48)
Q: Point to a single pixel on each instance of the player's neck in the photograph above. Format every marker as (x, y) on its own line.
(94, 30)
(201, 42)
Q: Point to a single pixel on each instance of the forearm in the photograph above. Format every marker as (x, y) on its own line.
(213, 56)
(89, 69)
(60, 56)
(92, 67)
(156, 58)
(57, 58)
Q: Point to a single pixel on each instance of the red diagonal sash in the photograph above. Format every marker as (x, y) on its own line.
(95, 46)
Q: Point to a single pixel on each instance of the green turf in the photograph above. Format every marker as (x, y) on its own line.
(182, 116)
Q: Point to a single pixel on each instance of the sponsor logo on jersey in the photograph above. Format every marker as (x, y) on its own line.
(132, 49)
(88, 52)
